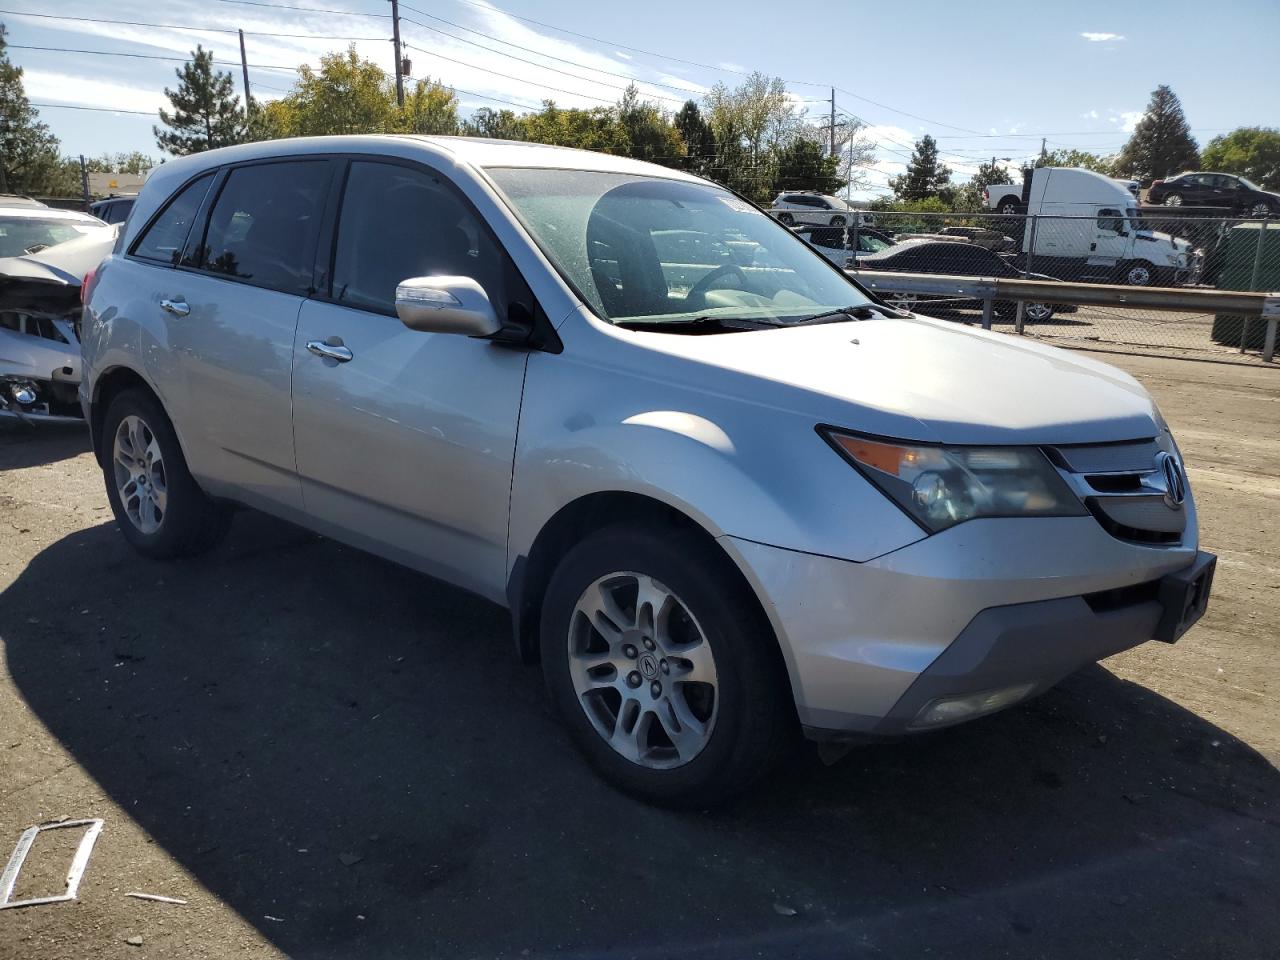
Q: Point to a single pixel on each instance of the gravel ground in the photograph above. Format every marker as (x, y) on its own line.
(328, 756)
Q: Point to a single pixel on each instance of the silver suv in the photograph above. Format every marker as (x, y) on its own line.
(727, 495)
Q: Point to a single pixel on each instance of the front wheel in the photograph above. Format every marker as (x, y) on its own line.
(903, 301)
(1260, 209)
(159, 506)
(1137, 274)
(787, 219)
(1173, 200)
(837, 221)
(659, 662)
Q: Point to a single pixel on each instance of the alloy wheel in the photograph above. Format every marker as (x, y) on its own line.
(1037, 312)
(1173, 200)
(643, 671)
(903, 301)
(140, 477)
(1260, 210)
(1138, 276)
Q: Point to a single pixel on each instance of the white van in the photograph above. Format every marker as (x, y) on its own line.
(1088, 227)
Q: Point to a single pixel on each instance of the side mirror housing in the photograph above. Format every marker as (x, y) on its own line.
(446, 305)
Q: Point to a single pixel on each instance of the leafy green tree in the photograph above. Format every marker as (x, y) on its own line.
(1252, 152)
(699, 141)
(430, 108)
(750, 124)
(650, 132)
(28, 151)
(595, 129)
(804, 164)
(1161, 144)
(968, 196)
(925, 175)
(498, 124)
(347, 94)
(1067, 157)
(206, 112)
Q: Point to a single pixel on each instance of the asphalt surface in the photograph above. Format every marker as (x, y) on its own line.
(328, 756)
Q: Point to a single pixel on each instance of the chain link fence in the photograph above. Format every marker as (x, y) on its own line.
(1140, 247)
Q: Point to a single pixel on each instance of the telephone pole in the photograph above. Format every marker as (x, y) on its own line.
(1043, 152)
(244, 66)
(833, 121)
(395, 41)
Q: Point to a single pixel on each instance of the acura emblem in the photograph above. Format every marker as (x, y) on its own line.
(1175, 481)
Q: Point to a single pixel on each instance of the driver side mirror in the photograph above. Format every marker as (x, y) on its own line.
(446, 305)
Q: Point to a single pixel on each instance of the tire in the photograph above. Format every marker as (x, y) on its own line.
(787, 219)
(1173, 200)
(1009, 206)
(1137, 273)
(837, 221)
(1037, 312)
(1258, 210)
(903, 301)
(736, 725)
(160, 508)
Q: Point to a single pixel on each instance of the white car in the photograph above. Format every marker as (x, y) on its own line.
(727, 496)
(818, 208)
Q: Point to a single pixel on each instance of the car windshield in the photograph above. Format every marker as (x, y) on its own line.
(23, 235)
(639, 248)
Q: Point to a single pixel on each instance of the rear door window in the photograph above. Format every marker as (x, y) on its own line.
(164, 239)
(263, 226)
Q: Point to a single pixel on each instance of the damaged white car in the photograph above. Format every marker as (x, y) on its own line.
(45, 256)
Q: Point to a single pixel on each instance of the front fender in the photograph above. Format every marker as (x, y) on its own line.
(737, 468)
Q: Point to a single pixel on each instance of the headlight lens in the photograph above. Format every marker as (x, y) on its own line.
(939, 487)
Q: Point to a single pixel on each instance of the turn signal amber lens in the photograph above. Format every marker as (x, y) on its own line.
(885, 457)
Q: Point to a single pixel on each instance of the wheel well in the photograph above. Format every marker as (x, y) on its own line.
(530, 574)
(110, 385)
(1009, 198)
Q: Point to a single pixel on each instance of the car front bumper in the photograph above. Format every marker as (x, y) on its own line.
(1006, 607)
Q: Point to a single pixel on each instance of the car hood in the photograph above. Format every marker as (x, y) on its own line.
(929, 380)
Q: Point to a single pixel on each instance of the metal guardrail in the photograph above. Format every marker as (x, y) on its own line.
(1262, 306)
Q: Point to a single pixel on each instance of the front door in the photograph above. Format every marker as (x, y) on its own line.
(406, 447)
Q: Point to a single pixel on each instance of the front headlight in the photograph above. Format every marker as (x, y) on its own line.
(939, 487)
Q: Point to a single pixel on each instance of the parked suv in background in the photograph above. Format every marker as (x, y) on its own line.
(726, 495)
(1215, 190)
(818, 208)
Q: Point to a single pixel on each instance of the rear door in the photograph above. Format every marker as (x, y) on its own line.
(406, 447)
(230, 311)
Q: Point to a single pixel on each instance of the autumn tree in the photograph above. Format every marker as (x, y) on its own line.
(925, 176)
(1161, 144)
(1252, 152)
(206, 112)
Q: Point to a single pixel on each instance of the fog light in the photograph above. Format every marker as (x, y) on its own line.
(23, 392)
(948, 710)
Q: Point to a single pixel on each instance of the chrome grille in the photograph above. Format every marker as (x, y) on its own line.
(1124, 487)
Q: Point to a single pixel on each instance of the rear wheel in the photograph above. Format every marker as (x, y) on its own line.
(1260, 209)
(837, 221)
(1173, 200)
(1010, 207)
(160, 508)
(786, 218)
(903, 301)
(658, 661)
(1037, 312)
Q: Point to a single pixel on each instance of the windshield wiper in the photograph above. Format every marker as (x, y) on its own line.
(706, 320)
(862, 311)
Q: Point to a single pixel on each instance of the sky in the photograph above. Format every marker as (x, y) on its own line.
(986, 78)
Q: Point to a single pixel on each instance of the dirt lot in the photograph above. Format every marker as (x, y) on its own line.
(328, 756)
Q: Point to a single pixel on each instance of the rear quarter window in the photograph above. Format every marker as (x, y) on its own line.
(164, 239)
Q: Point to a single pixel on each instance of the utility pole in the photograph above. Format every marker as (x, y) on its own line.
(1044, 154)
(395, 41)
(84, 181)
(244, 66)
(833, 121)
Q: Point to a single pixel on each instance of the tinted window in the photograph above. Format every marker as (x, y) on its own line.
(1109, 219)
(398, 222)
(167, 235)
(263, 225)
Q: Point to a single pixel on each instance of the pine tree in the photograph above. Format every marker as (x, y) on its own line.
(925, 176)
(28, 151)
(206, 112)
(1161, 144)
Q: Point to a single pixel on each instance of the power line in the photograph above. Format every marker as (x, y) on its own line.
(72, 106)
(572, 93)
(287, 6)
(174, 26)
(147, 56)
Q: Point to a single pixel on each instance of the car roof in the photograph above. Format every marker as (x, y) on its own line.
(940, 245)
(46, 213)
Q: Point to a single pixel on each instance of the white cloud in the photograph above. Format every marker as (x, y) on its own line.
(65, 88)
(1101, 37)
(624, 56)
(1089, 115)
(1126, 120)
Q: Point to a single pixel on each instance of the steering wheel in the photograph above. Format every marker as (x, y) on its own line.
(697, 294)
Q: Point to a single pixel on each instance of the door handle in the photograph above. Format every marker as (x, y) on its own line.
(178, 307)
(330, 351)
